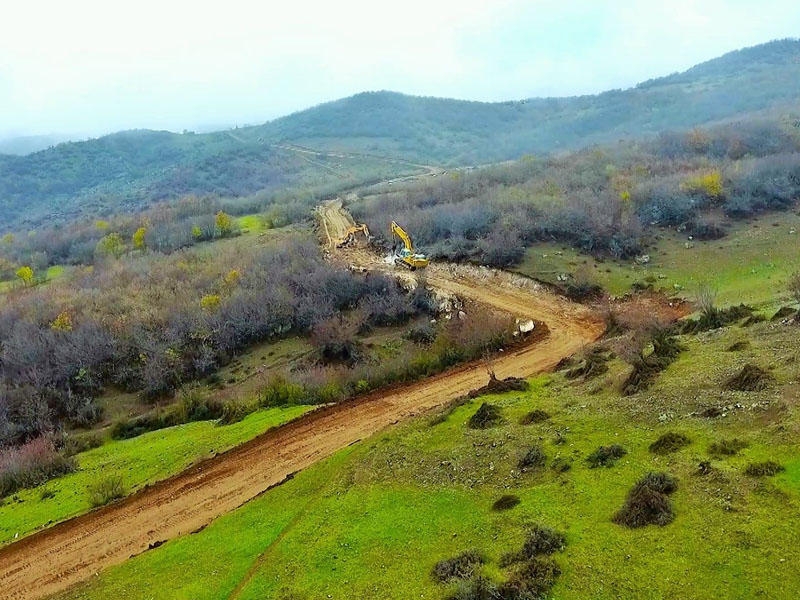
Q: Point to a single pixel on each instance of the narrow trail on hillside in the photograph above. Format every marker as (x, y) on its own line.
(56, 558)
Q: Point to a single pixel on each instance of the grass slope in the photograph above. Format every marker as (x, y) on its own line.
(139, 461)
(371, 521)
(751, 265)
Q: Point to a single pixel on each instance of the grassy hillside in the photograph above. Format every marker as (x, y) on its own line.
(129, 170)
(394, 505)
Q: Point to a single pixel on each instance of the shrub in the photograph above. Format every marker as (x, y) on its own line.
(605, 456)
(669, 442)
(532, 580)
(561, 465)
(543, 540)
(727, 447)
(750, 379)
(463, 566)
(582, 291)
(477, 588)
(31, 464)
(105, 490)
(646, 368)
(739, 346)
(505, 502)
(794, 286)
(233, 412)
(763, 469)
(75, 444)
(534, 458)
(535, 416)
(488, 415)
(194, 406)
(424, 333)
(280, 392)
(592, 363)
(714, 318)
(648, 503)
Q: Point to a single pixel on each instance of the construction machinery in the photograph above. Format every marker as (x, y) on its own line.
(406, 255)
(350, 235)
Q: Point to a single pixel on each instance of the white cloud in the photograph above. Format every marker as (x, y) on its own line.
(98, 66)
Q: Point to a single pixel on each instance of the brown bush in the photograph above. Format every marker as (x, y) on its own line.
(751, 378)
(648, 503)
(669, 442)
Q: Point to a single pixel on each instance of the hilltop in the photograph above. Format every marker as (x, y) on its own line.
(128, 170)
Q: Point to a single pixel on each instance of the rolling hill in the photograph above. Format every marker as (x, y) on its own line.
(129, 170)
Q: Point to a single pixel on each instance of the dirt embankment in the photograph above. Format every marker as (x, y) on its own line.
(54, 559)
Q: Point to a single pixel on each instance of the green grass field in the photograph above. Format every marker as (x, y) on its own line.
(140, 461)
(371, 521)
(750, 265)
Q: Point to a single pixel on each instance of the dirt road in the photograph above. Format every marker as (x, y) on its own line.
(54, 559)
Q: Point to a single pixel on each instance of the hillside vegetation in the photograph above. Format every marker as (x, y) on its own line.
(130, 170)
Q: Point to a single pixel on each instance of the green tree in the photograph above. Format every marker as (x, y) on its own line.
(26, 275)
(111, 245)
(138, 238)
(224, 224)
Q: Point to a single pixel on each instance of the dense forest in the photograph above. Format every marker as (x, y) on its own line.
(131, 170)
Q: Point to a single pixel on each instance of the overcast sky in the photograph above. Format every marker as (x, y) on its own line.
(91, 67)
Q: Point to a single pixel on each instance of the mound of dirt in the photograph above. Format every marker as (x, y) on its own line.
(751, 378)
(498, 386)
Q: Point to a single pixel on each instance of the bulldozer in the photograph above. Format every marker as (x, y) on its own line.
(350, 235)
(406, 256)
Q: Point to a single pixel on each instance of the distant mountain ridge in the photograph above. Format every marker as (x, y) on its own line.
(127, 170)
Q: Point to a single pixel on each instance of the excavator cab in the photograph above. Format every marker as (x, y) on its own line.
(406, 255)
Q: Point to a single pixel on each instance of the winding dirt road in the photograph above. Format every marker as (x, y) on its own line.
(58, 557)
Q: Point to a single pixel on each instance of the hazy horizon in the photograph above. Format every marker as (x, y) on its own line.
(88, 70)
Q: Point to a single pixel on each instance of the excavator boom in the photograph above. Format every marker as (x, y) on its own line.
(407, 257)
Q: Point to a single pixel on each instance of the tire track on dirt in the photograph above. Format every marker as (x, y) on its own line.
(56, 558)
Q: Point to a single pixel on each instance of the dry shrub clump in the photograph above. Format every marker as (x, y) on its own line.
(763, 469)
(727, 447)
(605, 456)
(751, 378)
(31, 464)
(648, 502)
(497, 386)
(534, 458)
(506, 502)
(105, 490)
(463, 566)
(669, 442)
(488, 415)
(535, 416)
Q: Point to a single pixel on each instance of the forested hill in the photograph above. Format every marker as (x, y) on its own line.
(128, 170)
(460, 132)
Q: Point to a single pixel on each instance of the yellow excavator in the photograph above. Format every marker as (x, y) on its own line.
(350, 235)
(407, 257)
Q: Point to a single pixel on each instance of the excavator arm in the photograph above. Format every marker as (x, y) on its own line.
(407, 257)
(401, 233)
